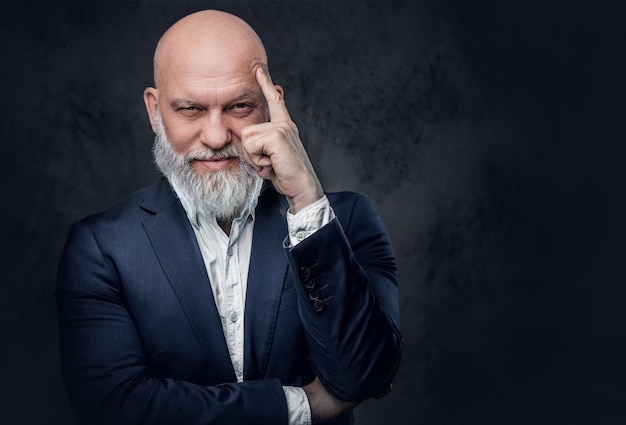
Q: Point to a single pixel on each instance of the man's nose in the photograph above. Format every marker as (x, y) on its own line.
(216, 131)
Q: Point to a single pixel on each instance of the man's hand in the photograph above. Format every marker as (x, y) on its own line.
(275, 151)
(324, 406)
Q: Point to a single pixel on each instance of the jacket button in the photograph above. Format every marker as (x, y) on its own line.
(314, 294)
(309, 284)
(305, 272)
(318, 305)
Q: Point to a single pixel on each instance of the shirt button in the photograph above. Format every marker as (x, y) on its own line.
(229, 252)
(234, 316)
(300, 236)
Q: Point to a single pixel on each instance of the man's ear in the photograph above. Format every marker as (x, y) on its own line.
(151, 99)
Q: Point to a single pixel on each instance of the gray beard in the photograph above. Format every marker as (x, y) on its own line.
(222, 193)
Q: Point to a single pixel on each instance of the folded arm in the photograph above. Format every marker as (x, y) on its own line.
(348, 301)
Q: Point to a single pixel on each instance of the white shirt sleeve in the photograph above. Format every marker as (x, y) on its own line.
(309, 220)
(298, 408)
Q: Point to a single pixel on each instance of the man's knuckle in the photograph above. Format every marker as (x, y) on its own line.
(284, 129)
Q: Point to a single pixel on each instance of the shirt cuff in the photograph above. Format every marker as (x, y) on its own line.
(309, 220)
(298, 408)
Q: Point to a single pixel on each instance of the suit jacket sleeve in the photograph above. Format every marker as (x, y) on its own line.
(105, 366)
(348, 300)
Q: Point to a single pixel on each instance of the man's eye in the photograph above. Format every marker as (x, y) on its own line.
(241, 108)
(189, 111)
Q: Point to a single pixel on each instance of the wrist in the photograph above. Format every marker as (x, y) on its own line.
(302, 200)
(313, 398)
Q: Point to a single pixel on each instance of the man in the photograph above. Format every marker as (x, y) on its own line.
(234, 290)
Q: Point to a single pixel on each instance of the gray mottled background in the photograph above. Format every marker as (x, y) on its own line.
(488, 133)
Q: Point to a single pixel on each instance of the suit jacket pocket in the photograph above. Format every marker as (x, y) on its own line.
(288, 299)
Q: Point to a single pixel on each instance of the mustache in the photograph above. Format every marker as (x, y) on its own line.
(230, 151)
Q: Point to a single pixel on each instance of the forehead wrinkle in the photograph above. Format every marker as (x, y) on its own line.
(189, 83)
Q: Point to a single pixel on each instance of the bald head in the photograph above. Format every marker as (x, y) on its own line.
(207, 41)
(205, 66)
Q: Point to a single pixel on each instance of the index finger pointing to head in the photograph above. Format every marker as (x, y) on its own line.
(274, 97)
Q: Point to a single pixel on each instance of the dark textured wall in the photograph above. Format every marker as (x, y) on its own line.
(488, 134)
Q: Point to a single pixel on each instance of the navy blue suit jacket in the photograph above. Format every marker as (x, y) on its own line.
(141, 340)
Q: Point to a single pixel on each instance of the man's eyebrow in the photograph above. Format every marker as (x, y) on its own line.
(181, 103)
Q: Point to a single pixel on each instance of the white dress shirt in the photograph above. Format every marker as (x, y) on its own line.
(227, 257)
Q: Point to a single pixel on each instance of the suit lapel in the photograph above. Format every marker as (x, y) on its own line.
(266, 276)
(177, 249)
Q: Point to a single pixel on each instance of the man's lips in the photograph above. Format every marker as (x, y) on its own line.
(216, 163)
